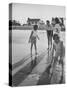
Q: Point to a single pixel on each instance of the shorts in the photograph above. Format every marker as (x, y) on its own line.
(50, 33)
(33, 40)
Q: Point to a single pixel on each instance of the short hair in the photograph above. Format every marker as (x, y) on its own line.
(55, 36)
(57, 20)
(35, 27)
(47, 21)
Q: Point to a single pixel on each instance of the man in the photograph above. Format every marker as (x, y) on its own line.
(49, 33)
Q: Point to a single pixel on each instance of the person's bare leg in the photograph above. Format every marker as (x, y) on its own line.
(35, 53)
(50, 42)
(31, 56)
(48, 49)
(31, 48)
(35, 48)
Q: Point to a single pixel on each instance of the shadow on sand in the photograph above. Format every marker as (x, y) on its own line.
(23, 73)
(44, 79)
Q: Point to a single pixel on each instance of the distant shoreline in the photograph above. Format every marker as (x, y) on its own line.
(24, 28)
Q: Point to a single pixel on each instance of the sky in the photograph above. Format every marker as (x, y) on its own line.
(21, 12)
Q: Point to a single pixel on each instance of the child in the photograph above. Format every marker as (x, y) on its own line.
(33, 38)
(57, 46)
(57, 28)
(57, 53)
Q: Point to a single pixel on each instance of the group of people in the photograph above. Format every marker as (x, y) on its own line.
(57, 63)
(53, 30)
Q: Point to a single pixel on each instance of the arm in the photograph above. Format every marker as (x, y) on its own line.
(52, 61)
(38, 37)
(53, 55)
(61, 55)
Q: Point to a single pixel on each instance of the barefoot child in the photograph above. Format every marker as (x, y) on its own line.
(33, 38)
(57, 63)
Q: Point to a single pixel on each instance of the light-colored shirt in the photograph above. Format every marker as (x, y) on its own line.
(57, 29)
(48, 27)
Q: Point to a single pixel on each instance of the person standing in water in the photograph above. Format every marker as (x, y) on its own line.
(33, 39)
(58, 56)
(49, 33)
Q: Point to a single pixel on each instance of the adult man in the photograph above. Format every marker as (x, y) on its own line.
(49, 33)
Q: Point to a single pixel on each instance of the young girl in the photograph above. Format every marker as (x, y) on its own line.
(33, 38)
(57, 62)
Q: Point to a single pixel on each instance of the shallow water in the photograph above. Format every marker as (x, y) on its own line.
(21, 47)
